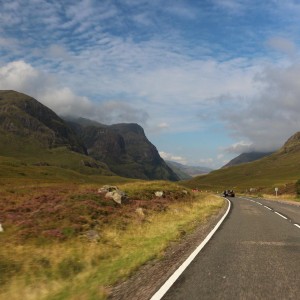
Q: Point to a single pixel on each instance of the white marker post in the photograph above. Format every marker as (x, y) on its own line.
(276, 190)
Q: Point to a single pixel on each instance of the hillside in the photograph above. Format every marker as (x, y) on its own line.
(246, 158)
(124, 148)
(35, 142)
(280, 169)
(35, 136)
(24, 116)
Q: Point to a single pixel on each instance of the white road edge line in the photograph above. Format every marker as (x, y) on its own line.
(259, 203)
(267, 207)
(166, 286)
(280, 215)
(297, 225)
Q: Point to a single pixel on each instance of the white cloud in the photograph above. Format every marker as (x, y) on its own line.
(8, 42)
(239, 147)
(58, 51)
(22, 77)
(172, 157)
(163, 125)
(92, 50)
(272, 116)
(282, 44)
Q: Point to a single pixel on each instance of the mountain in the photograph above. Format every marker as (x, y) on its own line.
(124, 148)
(187, 172)
(291, 145)
(24, 116)
(34, 135)
(246, 157)
(280, 169)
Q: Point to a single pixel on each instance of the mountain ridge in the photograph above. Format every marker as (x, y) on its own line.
(124, 148)
(23, 115)
(30, 130)
(280, 169)
(246, 158)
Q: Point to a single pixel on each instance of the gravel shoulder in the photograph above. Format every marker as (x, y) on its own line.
(150, 277)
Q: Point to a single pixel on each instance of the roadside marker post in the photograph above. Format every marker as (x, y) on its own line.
(276, 190)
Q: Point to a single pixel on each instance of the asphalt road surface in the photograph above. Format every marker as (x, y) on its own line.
(255, 254)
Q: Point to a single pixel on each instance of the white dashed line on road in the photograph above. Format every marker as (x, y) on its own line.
(280, 215)
(267, 207)
(271, 209)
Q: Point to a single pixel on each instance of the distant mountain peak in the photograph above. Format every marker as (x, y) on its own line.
(246, 158)
(292, 144)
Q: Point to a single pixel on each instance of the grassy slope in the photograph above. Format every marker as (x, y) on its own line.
(49, 202)
(278, 169)
(45, 229)
(24, 158)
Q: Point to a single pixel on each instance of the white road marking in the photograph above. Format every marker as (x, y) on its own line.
(280, 215)
(166, 286)
(267, 207)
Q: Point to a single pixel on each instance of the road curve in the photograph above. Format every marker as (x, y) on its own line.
(254, 255)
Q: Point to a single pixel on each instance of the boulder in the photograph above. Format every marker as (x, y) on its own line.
(140, 212)
(159, 193)
(107, 188)
(118, 196)
(92, 236)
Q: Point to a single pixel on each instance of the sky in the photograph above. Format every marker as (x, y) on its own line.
(206, 79)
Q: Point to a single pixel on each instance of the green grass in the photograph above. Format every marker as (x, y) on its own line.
(22, 156)
(277, 170)
(76, 268)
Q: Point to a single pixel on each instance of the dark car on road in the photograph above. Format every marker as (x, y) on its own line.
(229, 193)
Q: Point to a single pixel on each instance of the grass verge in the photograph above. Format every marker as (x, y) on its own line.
(78, 268)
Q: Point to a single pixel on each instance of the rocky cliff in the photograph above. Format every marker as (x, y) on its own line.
(124, 148)
(292, 144)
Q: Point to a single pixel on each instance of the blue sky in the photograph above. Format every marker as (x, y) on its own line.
(207, 79)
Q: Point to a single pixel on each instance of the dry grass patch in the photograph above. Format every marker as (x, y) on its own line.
(78, 268)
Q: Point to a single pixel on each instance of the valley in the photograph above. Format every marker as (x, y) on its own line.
(62, 234)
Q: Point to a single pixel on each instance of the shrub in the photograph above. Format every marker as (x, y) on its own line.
(43, 262)
(69, 267)
(8, 268)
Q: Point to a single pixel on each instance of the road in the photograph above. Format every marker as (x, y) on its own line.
(254, 255)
